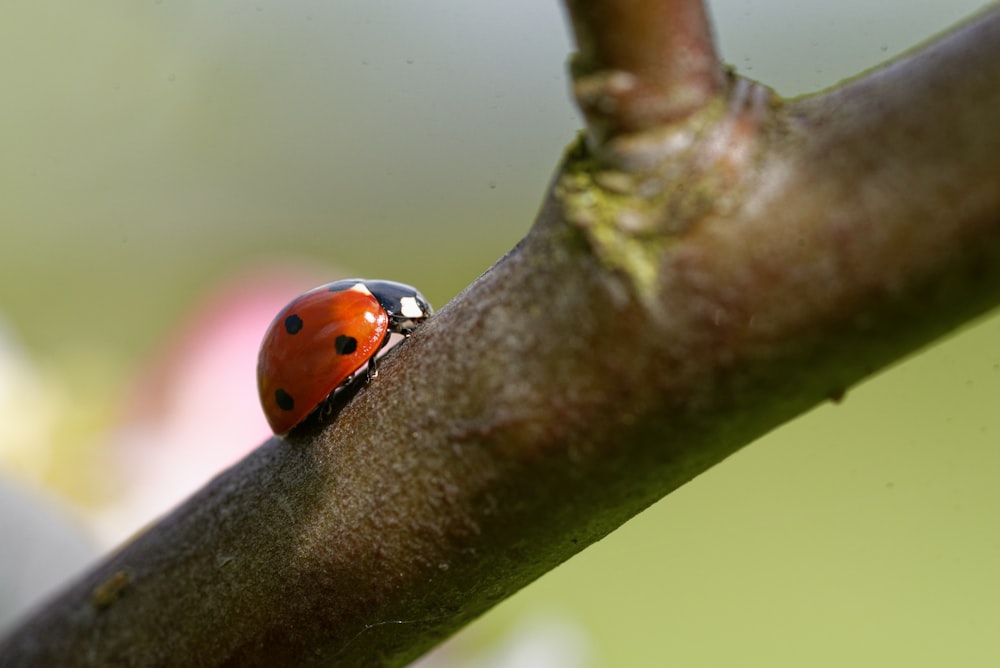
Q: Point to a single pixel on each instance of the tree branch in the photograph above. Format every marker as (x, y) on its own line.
(685, 289)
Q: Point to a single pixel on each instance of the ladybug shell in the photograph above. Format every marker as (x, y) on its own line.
(316, 343)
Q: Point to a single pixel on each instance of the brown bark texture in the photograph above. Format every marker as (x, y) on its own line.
(710, 261)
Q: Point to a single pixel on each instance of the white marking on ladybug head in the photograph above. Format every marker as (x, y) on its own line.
(410, 308)
(360, 287)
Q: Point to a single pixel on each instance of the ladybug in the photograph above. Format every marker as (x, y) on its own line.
(318, 342)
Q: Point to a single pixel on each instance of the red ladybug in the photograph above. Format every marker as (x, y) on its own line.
(323, 337)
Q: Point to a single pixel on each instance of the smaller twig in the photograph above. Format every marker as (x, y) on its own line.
(641, 63)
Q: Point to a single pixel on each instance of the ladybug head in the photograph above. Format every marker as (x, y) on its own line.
(405, 306)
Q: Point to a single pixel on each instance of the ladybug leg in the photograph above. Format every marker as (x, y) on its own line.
(326, 408)
(372, 368)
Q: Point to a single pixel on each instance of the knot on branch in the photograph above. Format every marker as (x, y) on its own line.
(637, 193)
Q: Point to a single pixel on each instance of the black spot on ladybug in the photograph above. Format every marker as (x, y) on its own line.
(284, 400)
(293, 324)
(345, 345)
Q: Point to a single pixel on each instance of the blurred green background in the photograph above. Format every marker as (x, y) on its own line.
(152, 150)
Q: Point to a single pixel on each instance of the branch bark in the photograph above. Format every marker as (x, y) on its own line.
(692, 281)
